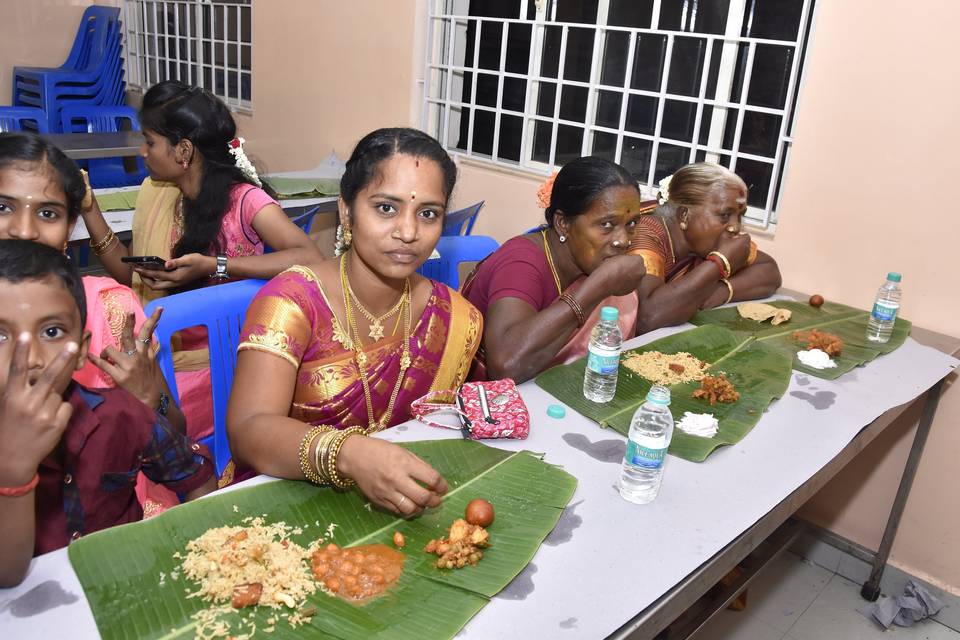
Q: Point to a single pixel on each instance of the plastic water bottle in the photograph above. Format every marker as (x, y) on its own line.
(650, 433)
(603, 358)
(885, 307)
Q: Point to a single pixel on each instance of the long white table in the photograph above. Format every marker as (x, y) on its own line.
(122, 220)
(610, 566)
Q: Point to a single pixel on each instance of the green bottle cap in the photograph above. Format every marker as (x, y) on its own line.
(556, 411)
(893, 276)
(609, 314)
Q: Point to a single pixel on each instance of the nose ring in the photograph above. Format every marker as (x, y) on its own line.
(616, 243)
(731, 229)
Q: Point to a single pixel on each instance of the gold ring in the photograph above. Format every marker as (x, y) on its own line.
(402, 500)
(144, 340)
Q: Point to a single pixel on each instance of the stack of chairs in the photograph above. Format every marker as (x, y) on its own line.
(91, 75)
(23, 119)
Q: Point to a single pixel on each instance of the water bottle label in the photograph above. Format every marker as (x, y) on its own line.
(603, 360)
(647, 455)
(884, 311)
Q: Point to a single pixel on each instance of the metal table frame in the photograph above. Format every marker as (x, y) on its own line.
(83, 146)
(680, 611)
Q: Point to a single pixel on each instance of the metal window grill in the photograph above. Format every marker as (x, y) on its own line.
(724, 97)
(205, 43)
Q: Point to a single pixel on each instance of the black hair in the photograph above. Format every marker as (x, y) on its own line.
(382, 144)
(177, 112)
(580, 182)
(25, 260)
(22, 147)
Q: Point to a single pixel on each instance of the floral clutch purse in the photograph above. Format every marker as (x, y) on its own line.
(492, 409)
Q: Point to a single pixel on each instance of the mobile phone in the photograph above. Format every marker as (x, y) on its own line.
(147, 262)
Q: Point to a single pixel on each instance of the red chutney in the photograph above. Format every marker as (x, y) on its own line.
(357, 573)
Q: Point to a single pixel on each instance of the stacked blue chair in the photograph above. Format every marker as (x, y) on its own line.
(454, 250)
(91, 75)
(23, 119)
(461, 222)
(104, 172)
(221, 309)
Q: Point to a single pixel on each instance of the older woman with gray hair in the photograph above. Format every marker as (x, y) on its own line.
(695, 253)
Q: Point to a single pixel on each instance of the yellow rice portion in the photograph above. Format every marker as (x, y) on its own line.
(655, 367)
(217, 562)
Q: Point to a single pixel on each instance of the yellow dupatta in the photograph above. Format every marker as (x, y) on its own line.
(153, 222)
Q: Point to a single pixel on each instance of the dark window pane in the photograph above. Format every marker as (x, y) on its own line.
(678, 120)
(635, 157)
(483, 132)
(511, 128)
(614, 66)
(486, 90)
(514, 93)
(723, 159)
(757, 176)
(490, 37)
(464, 122)
(573, 103)
(770, 79)
(582, 11)
(550, 60)
(630, 13)
(648, 59)
(569, 144)
(489, 8)
(245, 86)
(670, 158)
(686, 66)
(608, 109)
(579, 54)
(760, 133)
(773, 19)
(604, 146)
(542, 134)
(518, 48)
(546, 99)
(641, 114)
(697, 16)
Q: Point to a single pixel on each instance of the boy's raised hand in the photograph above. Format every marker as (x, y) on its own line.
(34, 416)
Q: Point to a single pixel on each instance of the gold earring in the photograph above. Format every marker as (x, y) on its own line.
(347, 236)
(683, 225)
(66, 243)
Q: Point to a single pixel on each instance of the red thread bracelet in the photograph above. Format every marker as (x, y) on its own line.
(16, 492)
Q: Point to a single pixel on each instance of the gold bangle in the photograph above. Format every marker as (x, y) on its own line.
(320, 452)
(304, 456)
(574, 306)
(100, 247)
(752, 256)
(331, 465)
(110, 247)
(727, 271)
(729, 288)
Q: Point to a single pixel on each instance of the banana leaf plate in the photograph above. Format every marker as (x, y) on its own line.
(848, 323)
(121, 568)
(759, 372)
(303, 187)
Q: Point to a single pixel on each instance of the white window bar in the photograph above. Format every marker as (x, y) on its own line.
(449, 22)
(190, 50)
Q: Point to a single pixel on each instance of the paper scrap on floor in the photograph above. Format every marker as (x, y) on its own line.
(915, 604)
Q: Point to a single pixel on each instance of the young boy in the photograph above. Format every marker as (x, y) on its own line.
(69, 456)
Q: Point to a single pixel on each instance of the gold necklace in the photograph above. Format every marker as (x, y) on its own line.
(553, 268)
(361, 358)
(673, 254)
(376, 323)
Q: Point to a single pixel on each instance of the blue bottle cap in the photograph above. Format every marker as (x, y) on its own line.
(556, 411)
(893, 276)
(609, 314)
(659, 395)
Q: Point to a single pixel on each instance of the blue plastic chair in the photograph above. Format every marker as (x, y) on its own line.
(461, 222)
(304, 221)
(221, 309)
(92, 73)
(454, 250)
(13, 119)
(105, 172)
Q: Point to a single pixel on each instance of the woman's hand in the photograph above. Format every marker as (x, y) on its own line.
(620, 274)
(135, 369)
(33, 413)
(736, 248)
(390, 476)
(178, 272)
(86, 205)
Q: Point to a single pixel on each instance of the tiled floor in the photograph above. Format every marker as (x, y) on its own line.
(795, 600)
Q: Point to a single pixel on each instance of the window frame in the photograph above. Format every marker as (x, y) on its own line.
(438, 101)
(145, 66)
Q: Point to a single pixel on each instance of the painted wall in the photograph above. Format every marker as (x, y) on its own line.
(869, 187)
